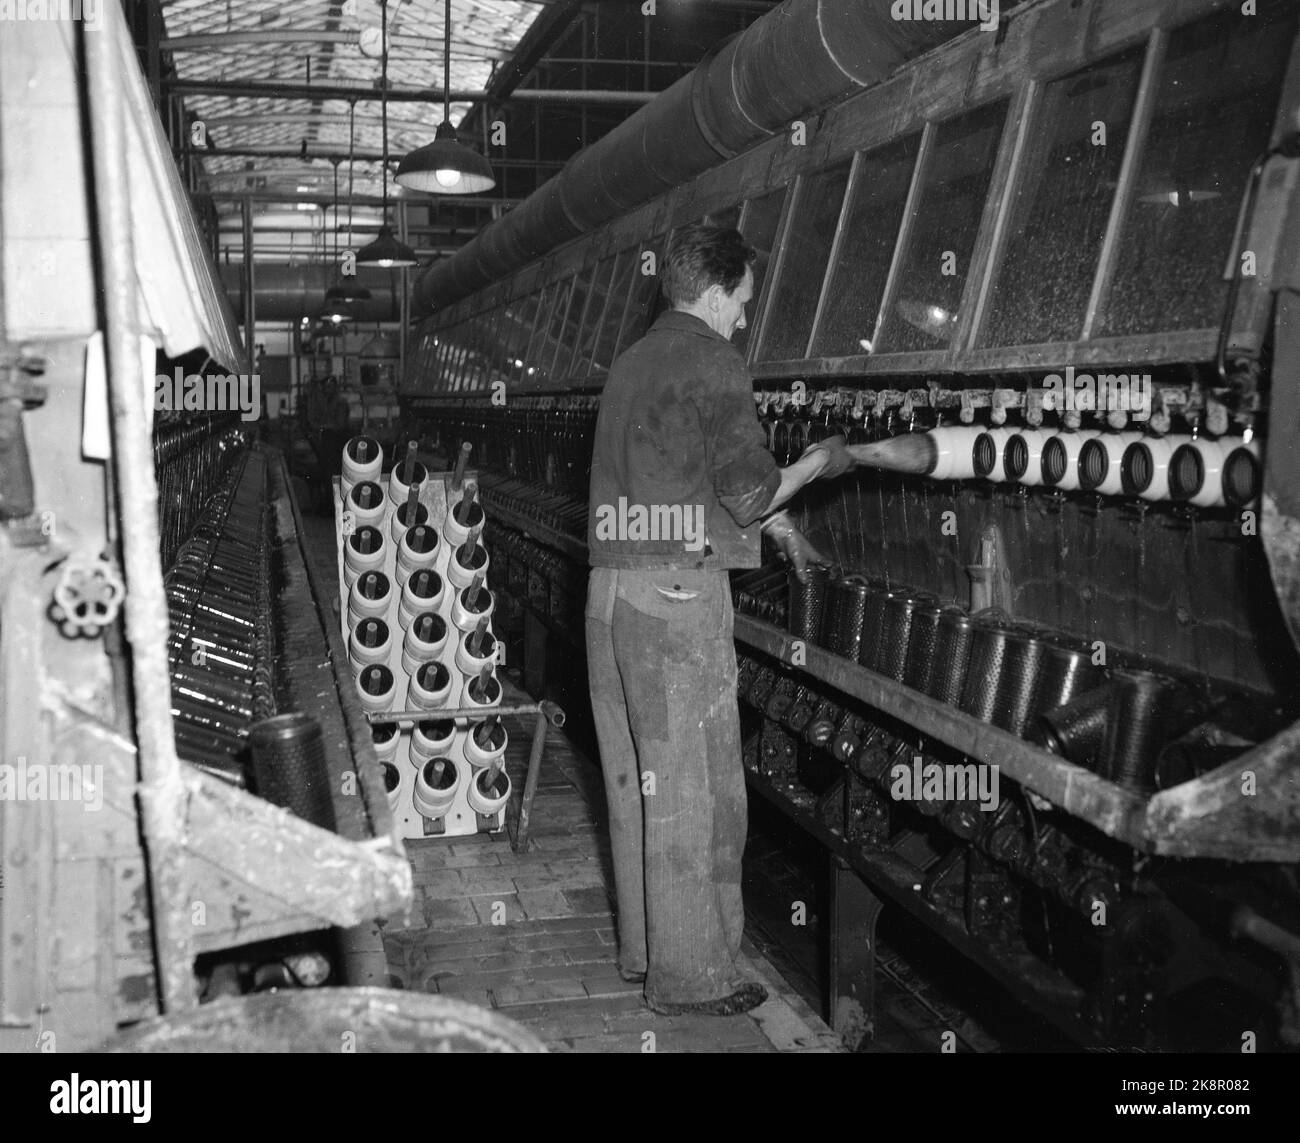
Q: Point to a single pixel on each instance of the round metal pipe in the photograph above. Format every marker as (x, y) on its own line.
(286, 293)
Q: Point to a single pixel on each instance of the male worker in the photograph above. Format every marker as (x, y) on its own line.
(680, 481)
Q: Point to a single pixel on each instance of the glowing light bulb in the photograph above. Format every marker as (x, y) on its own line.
(447, 177)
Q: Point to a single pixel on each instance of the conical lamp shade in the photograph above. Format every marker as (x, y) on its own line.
(386, 251)
(446, 166)
(346, 290)
(334, 312)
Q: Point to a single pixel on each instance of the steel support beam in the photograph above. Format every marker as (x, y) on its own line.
(270, 89)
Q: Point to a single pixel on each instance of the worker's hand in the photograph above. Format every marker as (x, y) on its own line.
(838, 458)
(794, 545)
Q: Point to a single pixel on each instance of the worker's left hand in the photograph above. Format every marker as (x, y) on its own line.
(797, 548)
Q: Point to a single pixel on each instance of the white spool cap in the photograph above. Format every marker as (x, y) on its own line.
(353, 469)
(377, 687)
(436, 791)
(461, 573)
(370, 642)
(422, 591)
(485, 799)
(430, 686)
(365, 500)
(485, 743)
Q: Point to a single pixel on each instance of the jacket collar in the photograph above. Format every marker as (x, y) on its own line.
(681, 321)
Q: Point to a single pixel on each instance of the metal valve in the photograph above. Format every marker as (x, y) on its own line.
(87, 597)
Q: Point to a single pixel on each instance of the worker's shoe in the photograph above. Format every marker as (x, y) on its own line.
(746, 997)
(631, 977)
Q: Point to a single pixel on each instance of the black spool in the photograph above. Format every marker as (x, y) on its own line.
(1075, 731)
(1013, 706)
(1066, 671)
(383, 732)
(481, 604)
(289, 770)
(363, 449)
(807, 600)
(873, 621)
(436, 729)
(919, 668)
(1140, 714)
(896, 632)
(988, 652)
(486, 693)
(951, 656)
(846, 605)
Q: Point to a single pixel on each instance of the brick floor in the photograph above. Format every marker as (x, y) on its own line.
(533, 936)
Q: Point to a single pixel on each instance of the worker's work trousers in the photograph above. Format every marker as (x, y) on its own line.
(662, 667)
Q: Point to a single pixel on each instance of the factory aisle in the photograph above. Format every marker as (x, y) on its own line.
(549, 961)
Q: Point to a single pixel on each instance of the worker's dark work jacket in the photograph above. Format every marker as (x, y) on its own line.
(679, 471)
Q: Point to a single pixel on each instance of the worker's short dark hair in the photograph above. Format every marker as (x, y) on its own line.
(701, 256)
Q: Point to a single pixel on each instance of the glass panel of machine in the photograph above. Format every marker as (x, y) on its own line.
(518, 327)
(555, 329)
(645, 293)
(760, 228)
(568, 337)
(798, 286)
(607, 337)
(728, 216)
(538, 335)
(1217, 95)
(1063, 203)
(861, 270)
(932, 274)
(591, 319)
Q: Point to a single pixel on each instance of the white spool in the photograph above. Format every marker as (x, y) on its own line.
(463, 617)
(1061, 459)
(1241, 473)
(430, 686)
(483, 800)
(418, 549)
(491, 696)
(398, 486)
(386, 738)
(370, 642)
(354, 470)
(434, 794)
(392, 784)
(398, 524)
(365, 500)
(484, 754)
(369, 597)
(955, 458)
(418, 650)
(456, 533)
(357, 561)
(433, 737)
(1101, 468)
(470, 663)
(413, 602)
(1196, 473)
(377, 687)
(1032, 441)
(1145, 467)
(462, 574)
(990, 449)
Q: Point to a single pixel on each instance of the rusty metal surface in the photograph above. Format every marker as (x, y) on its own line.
(162, 791)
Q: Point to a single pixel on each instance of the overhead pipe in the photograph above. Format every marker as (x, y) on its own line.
(798, 58)
(287, 293)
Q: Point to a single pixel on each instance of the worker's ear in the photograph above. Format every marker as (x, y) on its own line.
(716, 295)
